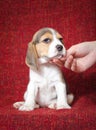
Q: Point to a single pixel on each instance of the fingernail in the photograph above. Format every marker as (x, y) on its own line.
(54, 60)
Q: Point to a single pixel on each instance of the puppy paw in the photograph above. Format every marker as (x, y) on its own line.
(66, 106)
(37, 106)
(52, 106)
(17, 105)
(26, 108)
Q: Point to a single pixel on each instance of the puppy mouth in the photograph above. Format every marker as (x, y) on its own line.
(58, 56)
(46, 59)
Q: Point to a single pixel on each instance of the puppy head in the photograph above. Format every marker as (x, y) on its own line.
(47, 42)
(50, 43)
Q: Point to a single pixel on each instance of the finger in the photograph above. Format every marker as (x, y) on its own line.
(58, 62)
(85, 63)
(82, 64)
(63, 59)
(78, 51)
(68, 62)
(71, 51)
(74, 66)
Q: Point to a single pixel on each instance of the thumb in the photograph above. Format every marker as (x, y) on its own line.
(71, 51)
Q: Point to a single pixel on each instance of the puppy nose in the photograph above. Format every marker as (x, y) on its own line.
(59, 47)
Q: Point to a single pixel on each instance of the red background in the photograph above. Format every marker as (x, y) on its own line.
(19, 20)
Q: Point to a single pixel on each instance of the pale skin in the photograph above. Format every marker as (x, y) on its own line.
(79, 57)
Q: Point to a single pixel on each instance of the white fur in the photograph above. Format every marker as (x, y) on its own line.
(46, 87)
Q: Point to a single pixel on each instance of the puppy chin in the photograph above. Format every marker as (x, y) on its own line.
(58, 55)
(46, 59)
(43, 60)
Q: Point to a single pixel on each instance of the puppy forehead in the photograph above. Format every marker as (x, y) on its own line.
(40, 33)
(58, 35)
(45, 33)
(50, 35)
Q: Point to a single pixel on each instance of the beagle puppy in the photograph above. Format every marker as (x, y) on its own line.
(46, 87)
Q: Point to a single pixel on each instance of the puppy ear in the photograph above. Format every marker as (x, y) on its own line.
(32, 56)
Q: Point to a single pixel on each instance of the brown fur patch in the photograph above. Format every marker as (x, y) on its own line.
(58, 35)
(42, 48)
(39, 34)
(32, 56)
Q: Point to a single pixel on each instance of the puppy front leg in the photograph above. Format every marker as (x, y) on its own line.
(61, 96)
(29, 103)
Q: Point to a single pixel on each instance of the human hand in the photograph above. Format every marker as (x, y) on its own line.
(79, 57)
(82, 56)
(58, 62)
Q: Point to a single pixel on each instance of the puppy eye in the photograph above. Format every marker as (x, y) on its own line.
(61, 40)
(47, 40)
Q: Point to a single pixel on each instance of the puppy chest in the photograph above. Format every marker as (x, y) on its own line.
(45, 96)
(50, 72)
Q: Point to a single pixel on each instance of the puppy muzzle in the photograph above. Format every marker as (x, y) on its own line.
(59, 48)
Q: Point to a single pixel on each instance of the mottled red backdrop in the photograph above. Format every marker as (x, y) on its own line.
(19, 20)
